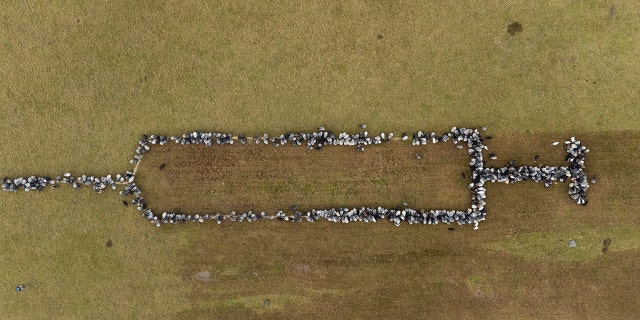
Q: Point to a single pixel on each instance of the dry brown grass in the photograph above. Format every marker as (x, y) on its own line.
(265, 178)
(114, 71)
(83, 80)
(517, 265)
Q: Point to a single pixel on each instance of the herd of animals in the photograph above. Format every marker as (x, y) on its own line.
(316, 140)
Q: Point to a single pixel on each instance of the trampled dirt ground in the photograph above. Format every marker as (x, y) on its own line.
(267, 178)
(526, 231)
(517, 264)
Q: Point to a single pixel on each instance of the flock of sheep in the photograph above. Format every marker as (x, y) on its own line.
(98, 184)
(578, 185)
(313, 140)
(462, 137)
(344, 215)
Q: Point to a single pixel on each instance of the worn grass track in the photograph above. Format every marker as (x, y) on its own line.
(265, 178)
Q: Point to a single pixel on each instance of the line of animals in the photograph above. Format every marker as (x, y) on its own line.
(462, 137)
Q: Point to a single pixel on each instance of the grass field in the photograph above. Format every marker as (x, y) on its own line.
(265, 178)
(83, 80)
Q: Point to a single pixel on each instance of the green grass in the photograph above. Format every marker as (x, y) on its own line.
(83, 80)
(113, 72)
(55, 242)
(255, 304)
(553, 244)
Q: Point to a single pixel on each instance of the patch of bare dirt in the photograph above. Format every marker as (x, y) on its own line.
(303, 268)
(203, 276)
(514, 28)
(197, 178)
